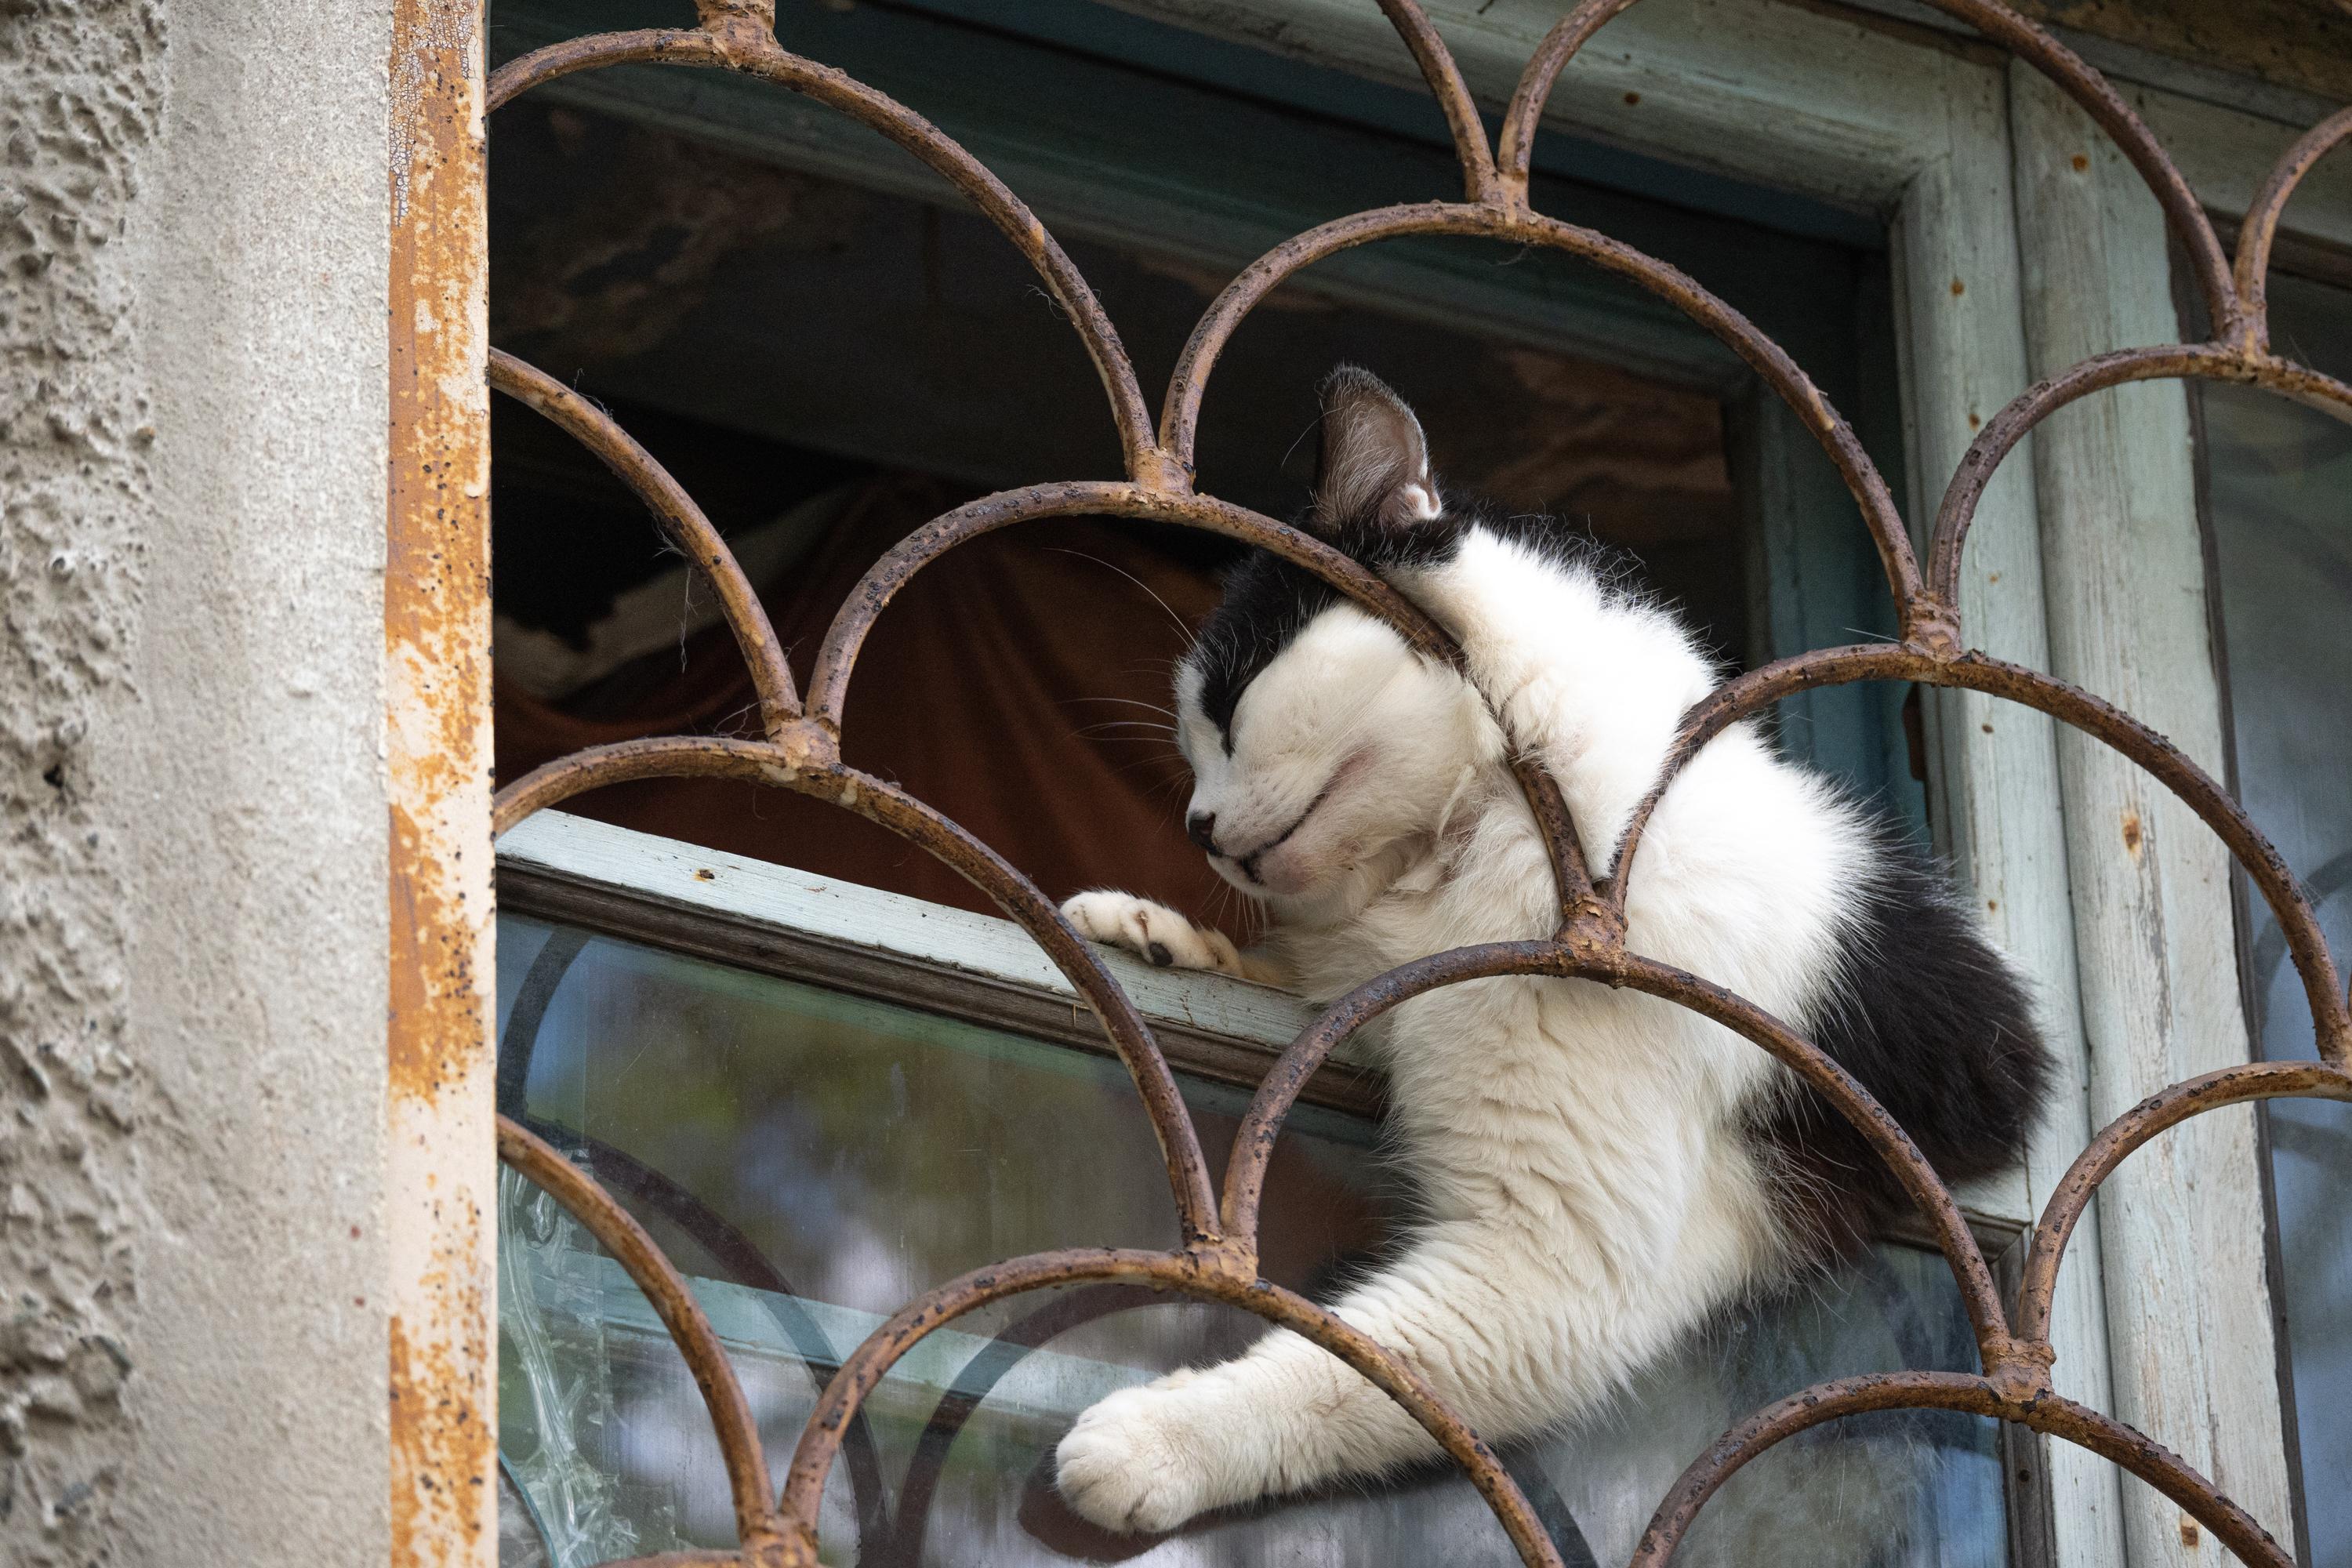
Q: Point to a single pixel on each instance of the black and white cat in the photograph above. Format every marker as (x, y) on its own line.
(1600, 1171)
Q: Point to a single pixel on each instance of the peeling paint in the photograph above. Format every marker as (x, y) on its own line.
(435, 39)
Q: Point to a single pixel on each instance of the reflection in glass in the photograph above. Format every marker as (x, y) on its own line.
(813, 1160)
(2279, 477)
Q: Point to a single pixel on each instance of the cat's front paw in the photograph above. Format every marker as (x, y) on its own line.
(1152, 932)
(1136, 1461)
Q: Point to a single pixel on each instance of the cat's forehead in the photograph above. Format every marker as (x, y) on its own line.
(1268, 604)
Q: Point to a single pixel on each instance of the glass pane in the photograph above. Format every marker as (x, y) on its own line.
(2279, 476)
(813, 1160)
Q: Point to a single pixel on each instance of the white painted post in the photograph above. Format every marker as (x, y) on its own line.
(2181, 1223)
(1994, 777)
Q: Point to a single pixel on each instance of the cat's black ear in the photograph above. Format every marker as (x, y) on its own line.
(1374, 468)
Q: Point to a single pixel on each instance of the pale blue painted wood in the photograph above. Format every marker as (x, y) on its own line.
(584, 852)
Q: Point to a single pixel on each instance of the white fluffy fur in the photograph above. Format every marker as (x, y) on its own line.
(1589, 1195)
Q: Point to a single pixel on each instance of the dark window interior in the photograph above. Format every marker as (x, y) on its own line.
(826, 364)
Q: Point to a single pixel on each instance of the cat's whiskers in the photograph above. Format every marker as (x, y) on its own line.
(1109, 725)
(1127, 701)
(1177, 621)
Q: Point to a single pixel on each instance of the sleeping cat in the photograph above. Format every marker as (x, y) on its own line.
(1600, 1171)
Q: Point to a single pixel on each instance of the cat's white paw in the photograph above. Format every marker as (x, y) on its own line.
(1153, 932)
(1134, 1462)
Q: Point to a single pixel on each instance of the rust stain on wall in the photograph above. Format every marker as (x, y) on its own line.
(441, 1183)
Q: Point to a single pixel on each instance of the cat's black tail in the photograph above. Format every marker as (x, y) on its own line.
(1937, 1026)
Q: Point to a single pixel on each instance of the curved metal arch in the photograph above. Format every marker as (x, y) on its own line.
(1207, 1277)
(2090, 90)
(1006, 1349)
(812, 771)
(2000, 1351)
(1524, 116)
(1179, 414)
(2117, 1141)
(846, 637)
(2013, 31)
(2238, 303)
(1742, 699)
(754, 51)
(871, 1508)
(1453, 94)
(1970, 1395)
(2252, 270)
(757, 1523)
(681, 519)
(1610, 964)
(2161, 361)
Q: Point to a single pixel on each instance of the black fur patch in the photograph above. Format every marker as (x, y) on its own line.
(1928, 1017)
(1268, 601)
(1936, 1024)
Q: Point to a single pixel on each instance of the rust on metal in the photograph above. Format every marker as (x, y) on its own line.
(2272, 877)
(441, 1171)
(2252, 273)
(2207, 362)
(2042, 1411)
(1180, 420)
(845, 637)
(802, 751)
(801, 762)
(1479, 184)
(2166, 1109)
(1203, 1275)
(1524, 116)
(681, 519)
(829, 683)
(2124, 128)
(731, 45)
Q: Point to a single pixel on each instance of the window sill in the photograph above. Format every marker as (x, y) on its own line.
(778, 920)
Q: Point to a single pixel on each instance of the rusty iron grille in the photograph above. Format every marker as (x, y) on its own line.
(800, 750)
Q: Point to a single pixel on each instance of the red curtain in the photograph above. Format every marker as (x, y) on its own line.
(1007, 686)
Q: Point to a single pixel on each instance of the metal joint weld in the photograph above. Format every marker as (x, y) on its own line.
(2018, 1370)
(1231, 1258)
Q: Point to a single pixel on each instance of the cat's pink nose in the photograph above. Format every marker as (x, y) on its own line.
(1200, 827)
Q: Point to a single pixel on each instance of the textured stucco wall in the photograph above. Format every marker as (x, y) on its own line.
(80, 105)
(193, 201)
